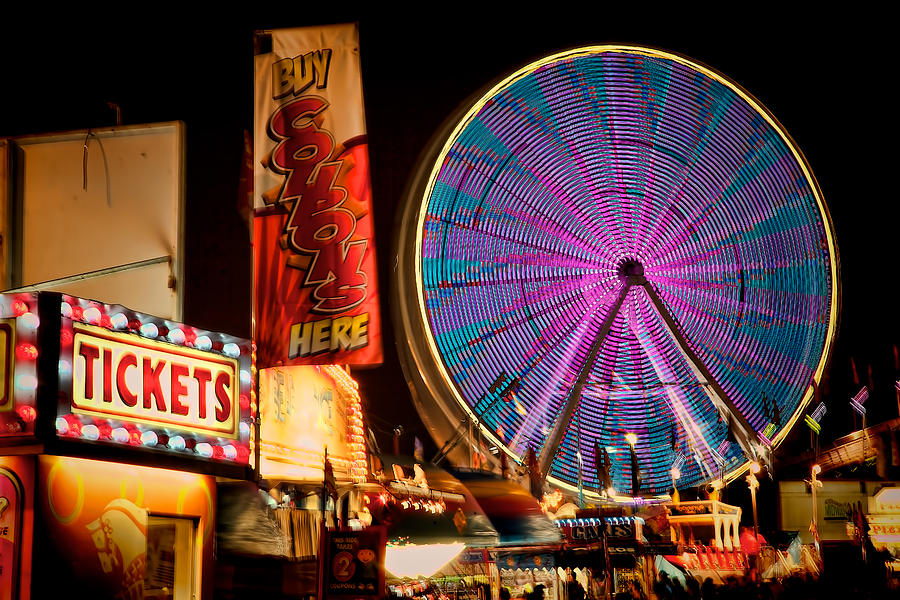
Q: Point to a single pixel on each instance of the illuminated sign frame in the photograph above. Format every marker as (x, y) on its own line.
(7, 363)
(19, 323)
(126, 400)
(304, 409)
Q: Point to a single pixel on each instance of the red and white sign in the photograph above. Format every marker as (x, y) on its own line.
(314, 235)
(125, 377)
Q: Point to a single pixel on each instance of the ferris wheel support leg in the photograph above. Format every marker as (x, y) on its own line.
(743, 431)
(551, 446)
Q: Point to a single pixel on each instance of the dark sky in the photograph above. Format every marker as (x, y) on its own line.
(824, 77)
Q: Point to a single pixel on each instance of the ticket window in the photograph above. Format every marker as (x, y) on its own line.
(171, 558)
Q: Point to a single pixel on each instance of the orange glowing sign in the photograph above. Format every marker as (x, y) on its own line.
(133, 379)
(7, 343)
(94, 514)
(303, 411)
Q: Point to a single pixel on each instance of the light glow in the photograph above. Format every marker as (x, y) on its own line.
(413, 560)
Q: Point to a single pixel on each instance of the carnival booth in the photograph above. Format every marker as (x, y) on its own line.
(604, 549)
(113, 428)
(884, 530)
(708, 533)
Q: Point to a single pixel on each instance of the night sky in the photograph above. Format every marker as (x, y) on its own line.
(825, 78)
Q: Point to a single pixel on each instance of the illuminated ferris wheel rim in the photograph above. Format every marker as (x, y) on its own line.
(411, 241)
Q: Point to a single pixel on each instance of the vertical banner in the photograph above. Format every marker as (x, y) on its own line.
(313, 235)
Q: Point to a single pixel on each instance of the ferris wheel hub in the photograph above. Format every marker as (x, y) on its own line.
(630, 268)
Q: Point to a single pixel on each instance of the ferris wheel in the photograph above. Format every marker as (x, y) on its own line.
(618, 258)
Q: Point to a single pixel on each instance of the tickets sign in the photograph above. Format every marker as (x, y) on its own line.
(124, 377)
(314, 234)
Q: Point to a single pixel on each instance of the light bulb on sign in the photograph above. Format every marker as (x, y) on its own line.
(90, 432)
(204, 449)
(91, 315)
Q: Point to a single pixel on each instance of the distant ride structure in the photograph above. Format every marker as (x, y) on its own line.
(612, 241)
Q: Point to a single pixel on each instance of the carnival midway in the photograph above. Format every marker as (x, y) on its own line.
(613, 294)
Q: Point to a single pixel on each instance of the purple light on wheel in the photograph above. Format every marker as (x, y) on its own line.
(578, 173)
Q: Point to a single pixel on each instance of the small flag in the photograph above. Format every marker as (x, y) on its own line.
(722, 449)
(812, 420)
(857, 402)
(819, 412)
(812, 424)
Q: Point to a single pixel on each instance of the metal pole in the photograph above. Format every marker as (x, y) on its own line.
(755, 518)
(471, 441)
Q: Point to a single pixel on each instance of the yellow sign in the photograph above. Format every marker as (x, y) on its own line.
(7, 361)
(887, 500)
(125, 377)
(302, 412)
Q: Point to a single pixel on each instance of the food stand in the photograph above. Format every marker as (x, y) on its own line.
(113, 428)
(884, 530)
(708, 532)
(605, 541)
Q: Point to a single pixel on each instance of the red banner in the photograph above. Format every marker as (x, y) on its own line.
(314, 237)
